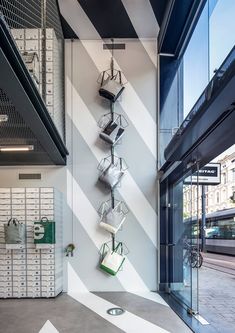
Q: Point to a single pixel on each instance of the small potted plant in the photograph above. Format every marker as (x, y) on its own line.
(69, 250)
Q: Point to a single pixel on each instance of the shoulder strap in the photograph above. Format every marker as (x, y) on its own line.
(102, 78)
(120, 163)
(120, 245)
(120, 77)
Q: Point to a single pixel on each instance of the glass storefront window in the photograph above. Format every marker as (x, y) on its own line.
(196, 63)
(211, 42)
(221, 28)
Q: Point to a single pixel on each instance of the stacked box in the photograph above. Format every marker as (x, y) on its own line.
(30, 40)
(31, 270)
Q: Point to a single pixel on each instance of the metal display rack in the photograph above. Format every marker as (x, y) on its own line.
(112, 158)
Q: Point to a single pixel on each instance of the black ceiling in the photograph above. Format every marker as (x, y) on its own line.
(176, 18)
(110, 18)
(159, 8)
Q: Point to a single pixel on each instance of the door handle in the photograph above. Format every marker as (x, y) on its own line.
(169, 244)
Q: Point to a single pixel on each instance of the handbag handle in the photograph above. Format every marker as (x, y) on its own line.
(44, 219)
(104, 206)
(13, 221)
(117, 205)
(103, 249)
(102, 78)
(120, 77)
(119, 245)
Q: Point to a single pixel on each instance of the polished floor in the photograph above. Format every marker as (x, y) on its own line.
(86, 312)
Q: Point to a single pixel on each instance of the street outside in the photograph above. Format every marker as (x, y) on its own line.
(217, 292)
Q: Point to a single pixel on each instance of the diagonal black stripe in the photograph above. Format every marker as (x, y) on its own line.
(109, 18)
(159, 7)
(67, 30)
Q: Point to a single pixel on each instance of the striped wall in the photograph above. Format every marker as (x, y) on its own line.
(84, 60)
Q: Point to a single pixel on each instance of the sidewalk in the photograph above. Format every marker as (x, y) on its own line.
(217, 292)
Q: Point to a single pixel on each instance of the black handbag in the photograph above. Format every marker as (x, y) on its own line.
(111, 86)
(113, 131)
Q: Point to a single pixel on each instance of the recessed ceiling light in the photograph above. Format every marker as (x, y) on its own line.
(115, 311)
(16, 148)
(3, 118)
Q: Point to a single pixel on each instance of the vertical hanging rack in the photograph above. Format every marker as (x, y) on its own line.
(112, 147)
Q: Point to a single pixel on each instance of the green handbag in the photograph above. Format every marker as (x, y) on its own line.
(44, 231)
(112, 261)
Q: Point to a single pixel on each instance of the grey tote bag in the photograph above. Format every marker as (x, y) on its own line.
(15, 232)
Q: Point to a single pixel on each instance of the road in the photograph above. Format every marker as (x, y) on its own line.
(217, 292)
(222, 263)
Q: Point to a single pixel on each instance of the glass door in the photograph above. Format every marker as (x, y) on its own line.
(184, 237)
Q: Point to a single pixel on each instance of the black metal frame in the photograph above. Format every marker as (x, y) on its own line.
(23, 93)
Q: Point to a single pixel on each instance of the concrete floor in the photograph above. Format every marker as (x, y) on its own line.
(70, 316)
(217, 298)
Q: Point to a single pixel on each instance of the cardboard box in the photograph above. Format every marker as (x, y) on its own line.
(32, 195)
(21, 268)
(49, 100)
(31, 212)
(18, 201)
(31, 34)
(15, 246)
(32, 201)
(5, 201)
(49, 45)
(34, 294)
(18, 33)
(34, 267)
(49, 55)
(32, 207)
(19, 262)
(50, 33)
(33, 262)
(18, 190)
(16, 212)
(32, 190)
(34, 284)
(32, 45)
(19, 294)
(49, 78)
(18, 279)
(33, 273)
(33, 278)
(47, 278)
(18, 207)
(21, 45)
(18, 196)
(5, 190)
(19, 284)
(49, 89)
(6, 213)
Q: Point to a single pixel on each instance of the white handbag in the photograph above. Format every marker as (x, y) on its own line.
(113, 260)
(111, 87)
(112, 132)
(113, 219)
(111, 176)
